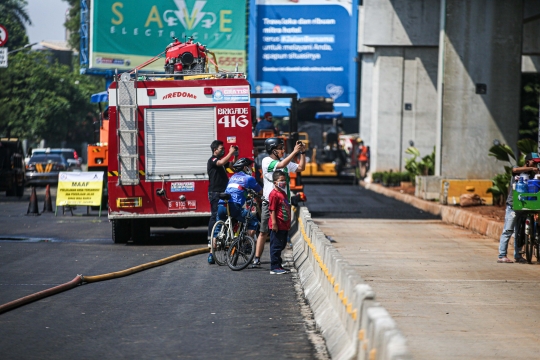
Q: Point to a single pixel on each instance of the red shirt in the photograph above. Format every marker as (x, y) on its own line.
(277, 201)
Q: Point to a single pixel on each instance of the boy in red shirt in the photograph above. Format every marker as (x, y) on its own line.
(279, 222)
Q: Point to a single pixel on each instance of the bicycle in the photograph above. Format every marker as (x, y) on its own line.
(232, 245)
(528, 227)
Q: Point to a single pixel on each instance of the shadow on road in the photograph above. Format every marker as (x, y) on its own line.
(354, 202)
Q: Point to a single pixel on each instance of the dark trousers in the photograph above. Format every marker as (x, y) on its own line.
(213, 198)
(278, 241)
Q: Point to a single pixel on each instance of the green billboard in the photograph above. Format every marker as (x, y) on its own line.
(127, 33)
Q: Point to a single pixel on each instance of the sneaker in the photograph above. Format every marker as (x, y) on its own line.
(278, 271)
(256, 264)
(285, 269)
(521, 261)
(211, 259)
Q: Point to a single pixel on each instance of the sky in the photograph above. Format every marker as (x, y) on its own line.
(47, 18)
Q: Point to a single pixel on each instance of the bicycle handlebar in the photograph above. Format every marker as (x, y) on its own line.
(253, 193)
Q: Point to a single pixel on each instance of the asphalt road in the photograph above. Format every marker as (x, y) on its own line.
(342, 201)
(185, 309)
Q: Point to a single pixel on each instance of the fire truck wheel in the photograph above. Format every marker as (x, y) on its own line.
(140, 230)
(121, 231)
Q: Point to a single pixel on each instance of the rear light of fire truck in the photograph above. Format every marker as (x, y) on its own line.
(208, 91)
(129, 202)
(178, 67)
(151, 92)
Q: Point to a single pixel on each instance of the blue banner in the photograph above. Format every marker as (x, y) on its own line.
(304, 46)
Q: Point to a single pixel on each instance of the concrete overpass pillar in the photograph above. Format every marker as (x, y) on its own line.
(481, 84)
(398, 41)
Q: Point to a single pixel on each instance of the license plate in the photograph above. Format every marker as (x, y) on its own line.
(182, 205)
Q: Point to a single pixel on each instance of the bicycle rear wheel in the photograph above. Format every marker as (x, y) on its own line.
(241, 253)
(220, 245)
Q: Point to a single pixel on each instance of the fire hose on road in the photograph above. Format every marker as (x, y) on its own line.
(80, 279)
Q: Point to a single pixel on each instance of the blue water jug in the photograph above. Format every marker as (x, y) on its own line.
(521, 186)
(533, 187)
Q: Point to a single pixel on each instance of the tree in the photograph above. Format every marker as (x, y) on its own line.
(73, 23)
(13, 16)
(530, 93)
(40, 100)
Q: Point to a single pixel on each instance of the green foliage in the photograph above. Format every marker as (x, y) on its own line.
(503, 152)
(73, 23)
(500, 188)
(390, 178)
(40, 100)
(13, 16)
(530, 92)
(416, 165)
(526, 146)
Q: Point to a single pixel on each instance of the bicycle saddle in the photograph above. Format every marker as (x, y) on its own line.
(224, 196)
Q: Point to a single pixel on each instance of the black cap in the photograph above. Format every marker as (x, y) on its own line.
(530, 156)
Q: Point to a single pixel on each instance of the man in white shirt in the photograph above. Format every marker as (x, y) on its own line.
(275, 147)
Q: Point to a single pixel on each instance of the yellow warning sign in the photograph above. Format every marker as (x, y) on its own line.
(79, 188)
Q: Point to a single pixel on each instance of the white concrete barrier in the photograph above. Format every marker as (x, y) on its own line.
(352, 323)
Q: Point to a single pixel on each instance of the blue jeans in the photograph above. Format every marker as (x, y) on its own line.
(509, 229)
(238, 212)
(278, 241)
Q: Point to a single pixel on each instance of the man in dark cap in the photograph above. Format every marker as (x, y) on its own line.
(265, 124)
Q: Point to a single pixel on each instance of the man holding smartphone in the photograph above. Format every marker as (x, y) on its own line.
(275, 147)
(218, 180)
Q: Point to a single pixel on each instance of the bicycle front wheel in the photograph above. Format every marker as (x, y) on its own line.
(241, 253)
(220, 232)
(529, 247)
(529, 239)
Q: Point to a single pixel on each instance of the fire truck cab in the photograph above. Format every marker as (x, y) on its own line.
(160, 131)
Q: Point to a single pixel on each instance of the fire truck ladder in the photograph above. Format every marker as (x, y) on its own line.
(126, 122)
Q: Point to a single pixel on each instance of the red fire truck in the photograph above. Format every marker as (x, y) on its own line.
(160, 133)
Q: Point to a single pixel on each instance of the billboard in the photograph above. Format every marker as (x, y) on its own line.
(305, 46)
(125, 34)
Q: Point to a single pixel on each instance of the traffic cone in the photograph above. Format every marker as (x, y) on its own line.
(33, 206)
(47, 205)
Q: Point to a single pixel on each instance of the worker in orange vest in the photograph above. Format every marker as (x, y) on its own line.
(363, 159)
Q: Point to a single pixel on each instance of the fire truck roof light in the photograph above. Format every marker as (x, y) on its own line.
(208, 91)
(129, 202)
(151, 92)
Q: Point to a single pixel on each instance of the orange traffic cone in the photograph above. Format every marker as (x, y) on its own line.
(47, 205)
(33, 206)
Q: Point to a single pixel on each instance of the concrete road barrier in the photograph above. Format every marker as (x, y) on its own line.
(353, 324)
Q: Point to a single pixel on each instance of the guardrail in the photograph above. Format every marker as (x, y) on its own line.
(353, 324)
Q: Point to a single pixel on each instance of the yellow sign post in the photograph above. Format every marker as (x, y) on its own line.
(80, 188)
